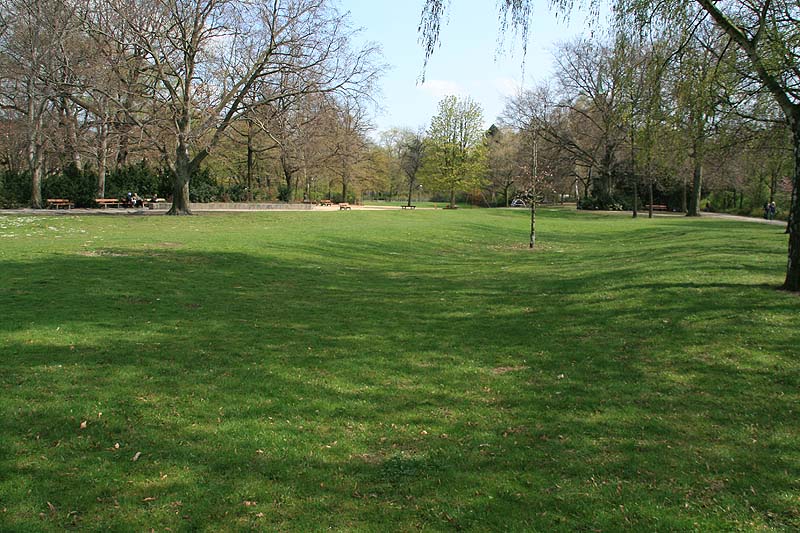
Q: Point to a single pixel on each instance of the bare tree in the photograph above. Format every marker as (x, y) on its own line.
(203, 58)
(28, 46)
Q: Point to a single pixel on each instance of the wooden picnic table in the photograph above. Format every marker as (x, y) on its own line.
(344, 205)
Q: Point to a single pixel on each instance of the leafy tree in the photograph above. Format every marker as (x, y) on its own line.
(455, 156)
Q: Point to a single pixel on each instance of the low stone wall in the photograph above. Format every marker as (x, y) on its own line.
(236, 206)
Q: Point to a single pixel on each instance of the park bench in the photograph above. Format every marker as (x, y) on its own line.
(408, 206)
(151, 204)
(326, 203)
(344, 205)
(56, 203)
(657, 207)
(104, 203)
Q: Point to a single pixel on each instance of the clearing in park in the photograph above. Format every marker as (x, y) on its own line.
(395, 371)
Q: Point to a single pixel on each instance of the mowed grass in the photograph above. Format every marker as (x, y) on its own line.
(397, 371)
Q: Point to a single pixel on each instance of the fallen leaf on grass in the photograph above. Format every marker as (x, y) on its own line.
(136, 457)
(149, 499)
(52, 508)
(83, 424)
(248, 503)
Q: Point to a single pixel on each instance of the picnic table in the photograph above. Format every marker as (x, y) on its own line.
(408, 206)
(326, 203)
(344, 205)
(657, 207)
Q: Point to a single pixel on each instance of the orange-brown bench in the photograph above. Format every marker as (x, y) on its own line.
(103, 203)
(56, 203)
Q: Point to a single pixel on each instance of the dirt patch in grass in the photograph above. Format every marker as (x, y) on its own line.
(506, 369)
(102, 253)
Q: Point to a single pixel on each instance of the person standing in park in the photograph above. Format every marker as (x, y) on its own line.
(772, 210)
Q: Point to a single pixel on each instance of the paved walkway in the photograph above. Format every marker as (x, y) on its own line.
(196, 208)
(745, 219)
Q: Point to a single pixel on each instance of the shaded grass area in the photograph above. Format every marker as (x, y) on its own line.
(397, 371)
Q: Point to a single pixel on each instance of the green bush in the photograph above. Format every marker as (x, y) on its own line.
(203, 188)
(284, 193)
(140, 178)
(15, 189)
(236, 192)
(72, 183)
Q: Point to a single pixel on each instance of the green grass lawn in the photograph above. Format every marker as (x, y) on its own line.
(396, 371)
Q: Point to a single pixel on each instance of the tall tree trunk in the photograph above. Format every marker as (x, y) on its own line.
(697, 184)
(650, 194)
(183, 174)
(773, 186)
(34, 146)
(288, 175)
(633, 174)
(684, 196)
(102, 158)
(533, 222)
(792, 282)
(345, 179)
(410, 191)
(35, 166)
(71, 127)
(250, 153)
(122, 146)
(452, 197)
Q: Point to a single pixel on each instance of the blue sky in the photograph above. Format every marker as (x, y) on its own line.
(466, 64)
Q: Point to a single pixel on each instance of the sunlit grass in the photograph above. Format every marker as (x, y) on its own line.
(396, 371)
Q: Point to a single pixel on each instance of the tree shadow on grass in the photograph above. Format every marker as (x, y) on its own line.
(388, 390)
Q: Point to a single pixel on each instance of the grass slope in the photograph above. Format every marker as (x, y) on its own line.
(382, 371)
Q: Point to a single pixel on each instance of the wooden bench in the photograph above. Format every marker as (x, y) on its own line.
(408, 206)
(657, 207)
(104, 203)
(326, 203)
(56, 203)
(344, 205)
